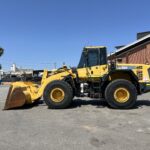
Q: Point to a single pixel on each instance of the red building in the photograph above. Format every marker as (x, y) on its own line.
(136, 52)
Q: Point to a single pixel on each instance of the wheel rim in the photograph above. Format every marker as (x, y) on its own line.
(121, 95)
(57, 95)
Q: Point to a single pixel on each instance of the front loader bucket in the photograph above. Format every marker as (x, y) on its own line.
(16, 98)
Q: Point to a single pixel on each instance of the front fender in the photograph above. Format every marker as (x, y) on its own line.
(58, 76)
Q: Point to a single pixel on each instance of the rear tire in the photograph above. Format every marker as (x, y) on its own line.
(58, 94)
(121, 94)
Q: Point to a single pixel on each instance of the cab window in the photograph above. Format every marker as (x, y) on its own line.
(92, 58)
(82, 61)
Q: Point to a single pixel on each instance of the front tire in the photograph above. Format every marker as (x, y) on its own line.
(58, 95)
(121, 94)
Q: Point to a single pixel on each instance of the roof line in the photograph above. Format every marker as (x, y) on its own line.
(133, 43)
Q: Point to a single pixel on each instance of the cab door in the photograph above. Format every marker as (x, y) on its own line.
(93, 65)
(82, 70)
(97, 63)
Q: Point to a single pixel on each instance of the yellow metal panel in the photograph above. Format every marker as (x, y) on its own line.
(141, 70)
(93, 72)
(83, 73)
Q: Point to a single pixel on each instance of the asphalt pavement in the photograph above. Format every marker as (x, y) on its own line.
(86, 125)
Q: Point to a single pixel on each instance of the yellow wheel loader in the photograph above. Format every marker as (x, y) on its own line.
(118, 84)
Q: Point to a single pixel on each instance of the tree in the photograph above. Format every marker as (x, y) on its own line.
(1, 51)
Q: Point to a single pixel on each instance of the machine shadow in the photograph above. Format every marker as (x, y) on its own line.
(81, 102)
(29, 106)
(141, 103)
(94, 102)
(103, 103)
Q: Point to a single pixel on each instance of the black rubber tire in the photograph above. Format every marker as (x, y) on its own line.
(112, 86)
(68, 95)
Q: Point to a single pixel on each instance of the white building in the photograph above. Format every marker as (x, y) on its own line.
(1, 74)
(14, 70)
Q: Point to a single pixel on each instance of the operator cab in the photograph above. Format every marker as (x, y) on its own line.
(93, 56)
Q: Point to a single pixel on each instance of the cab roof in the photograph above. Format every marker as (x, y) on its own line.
(94, 47)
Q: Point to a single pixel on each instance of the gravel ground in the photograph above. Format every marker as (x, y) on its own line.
(88, 124)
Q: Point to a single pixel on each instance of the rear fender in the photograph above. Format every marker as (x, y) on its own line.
(120, 74)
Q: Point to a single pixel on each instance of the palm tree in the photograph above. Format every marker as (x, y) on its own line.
(1, 51)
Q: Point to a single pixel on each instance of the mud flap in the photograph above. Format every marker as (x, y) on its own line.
(16, 98)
